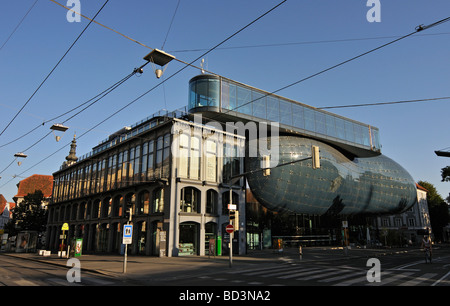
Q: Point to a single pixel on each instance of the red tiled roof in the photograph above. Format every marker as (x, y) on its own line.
(35, 182)
(421, 188)
(2, 199)
(2, 203)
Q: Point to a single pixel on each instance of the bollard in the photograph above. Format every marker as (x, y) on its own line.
(300, 252)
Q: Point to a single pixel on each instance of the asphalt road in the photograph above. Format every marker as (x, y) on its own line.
(316, 268)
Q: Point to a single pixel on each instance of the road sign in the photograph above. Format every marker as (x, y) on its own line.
(127, 234)
(65, 227)
(229, 228)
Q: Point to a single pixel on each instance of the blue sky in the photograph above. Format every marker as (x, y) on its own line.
(305, 37)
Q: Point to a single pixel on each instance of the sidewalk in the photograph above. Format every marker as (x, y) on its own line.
(166, 268)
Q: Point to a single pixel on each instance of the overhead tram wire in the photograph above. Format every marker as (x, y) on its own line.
(170, 25)
(54, 68)
(129, 38)
(104, 93)
(18, 25)
(302, 43)
(385, 103)
(145, 93)
(418, 29)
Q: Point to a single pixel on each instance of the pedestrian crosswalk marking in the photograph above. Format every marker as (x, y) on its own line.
(391, 279)
(300, 274)
(291, 270)
(345, 275)
(252, 270)
(418, 280)
(322, 275)
(265, 271)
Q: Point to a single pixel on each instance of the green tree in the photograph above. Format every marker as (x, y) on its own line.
(445, 174)
(438, 209)
(28, 215)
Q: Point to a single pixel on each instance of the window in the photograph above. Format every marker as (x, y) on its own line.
(131, 165)
(143, 170)
(130, 201)
(106, 207)
(125, 168)
(137, 163)
(212, 198)
(119, 169)
(285, 112)
(211, 160)
(194, 157)
(259, 105)
(159, 151)
(190, 200)
(117, 206)
(273, 109)
(150, 167)
(411, 222)
(183, 155)
(244, 97)
(297, 116)
(158, 200)
(144, 202)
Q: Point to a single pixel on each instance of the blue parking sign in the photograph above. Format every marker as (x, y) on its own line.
(127, 234)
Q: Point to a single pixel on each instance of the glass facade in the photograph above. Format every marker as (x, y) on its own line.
(213, 93)
(341, 185)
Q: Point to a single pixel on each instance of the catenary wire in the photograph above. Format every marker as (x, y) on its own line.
(170, 25)
(53, 69)
(418, 29)
(18, 25)
(385, 103)
(112, 87)
(165, 80)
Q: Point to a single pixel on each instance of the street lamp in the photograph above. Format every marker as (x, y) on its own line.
(21, 155)
(58, 127)
(159, 58)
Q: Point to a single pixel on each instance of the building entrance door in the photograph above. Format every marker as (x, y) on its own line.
(189, 239)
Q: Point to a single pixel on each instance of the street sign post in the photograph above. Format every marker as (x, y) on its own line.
(127, 239)
(127, 234)
(64, 228)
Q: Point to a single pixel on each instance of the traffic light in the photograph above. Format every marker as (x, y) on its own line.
(266, 164)
(234, 219)
(315, 157)
(128, 210)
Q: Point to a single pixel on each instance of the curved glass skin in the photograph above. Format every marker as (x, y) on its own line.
(340, 186)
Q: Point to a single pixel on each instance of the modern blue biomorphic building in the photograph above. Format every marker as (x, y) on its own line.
(354, 177)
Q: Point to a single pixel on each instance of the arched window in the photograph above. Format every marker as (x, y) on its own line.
(212, 201)
(106, 207)
(143, 202)
(117, 206)
(190, 200)
(96, 212)
(158, 200)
